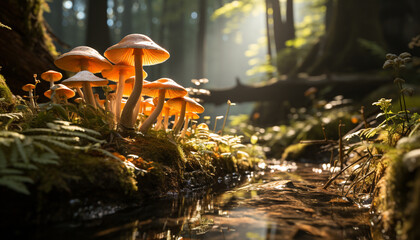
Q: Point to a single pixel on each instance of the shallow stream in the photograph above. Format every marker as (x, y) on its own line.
(285, 202)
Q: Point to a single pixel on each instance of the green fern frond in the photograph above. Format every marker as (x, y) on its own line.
(56, 143)
(3, 160)
(7, 134)
(46, 158)
(20, 165)
(81, 129)
(43, 147)
(10, 171)
(106, 153)
(62, 132)
(21, 151)
(14, 185)
(57, 138)
(12, 115)
(6, 141)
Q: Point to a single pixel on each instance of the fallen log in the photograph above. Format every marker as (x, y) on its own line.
(290, 89)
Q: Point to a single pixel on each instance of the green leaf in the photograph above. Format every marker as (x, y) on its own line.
(46, 158)
(13, 154)
(3, 160)
(28, 166)
(21, 151)
(10, 171)
(14, 185)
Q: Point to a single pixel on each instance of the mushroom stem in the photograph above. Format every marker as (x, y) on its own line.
(175, 121)
(79, 91)
(149, 120)
(159, 124)
(127, 113)
(88, 93)
(166, 123)
(62, 99)
(51, 82)
(184, 130)
(87, 89)
(181, 118)
(120, 91)
(137, 109)
(226, 116)
(31, 99)
(215, 124)
(98, 104)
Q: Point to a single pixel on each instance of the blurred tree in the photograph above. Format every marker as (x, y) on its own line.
(351, 40)
(97, 35)
(201, 39)
(127, 18)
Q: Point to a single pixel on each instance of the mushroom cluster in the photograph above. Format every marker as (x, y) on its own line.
(125, 100)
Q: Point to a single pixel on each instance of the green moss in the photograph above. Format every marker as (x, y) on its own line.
(398, 202)
(86, 174)
(294, 151)
(6, 97)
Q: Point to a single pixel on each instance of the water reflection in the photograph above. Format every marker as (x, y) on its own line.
(267, 205)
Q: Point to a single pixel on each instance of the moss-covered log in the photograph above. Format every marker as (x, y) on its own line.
(25, 48)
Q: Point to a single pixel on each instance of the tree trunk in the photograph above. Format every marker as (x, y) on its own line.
(201, 39)
(268, 33)
(290, 21)
(278, 25)
(26, 48)
(150, 17)
(97, 35)
(157, 71)
(127, 18)
(176, 44)
(343, 51)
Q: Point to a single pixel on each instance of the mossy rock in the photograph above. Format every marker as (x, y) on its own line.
(305, 153)
(167, 161)
(399, 198)
(7, 101)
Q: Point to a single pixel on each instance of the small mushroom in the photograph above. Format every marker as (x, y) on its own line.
(78, 100)
(148, 106)
(136, 50)
(161, 88)
(99, 102)
(80, 79)
(62, 93)
(51, 76)
(28, 88)
(184, 104)
(188, 116)
(119, 73)
(83, 58)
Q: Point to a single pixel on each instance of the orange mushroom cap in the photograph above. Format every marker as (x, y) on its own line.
(114, 72)
(191, 106)
(61, 90)
(192, 115)
(149, 106)
(51, 75)
(72, 61)
(84, 76)
(173, 89)
(28, 87)
(112, 87)
(129, 85)
(122, 52)
(78, 100)
(203, 126)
